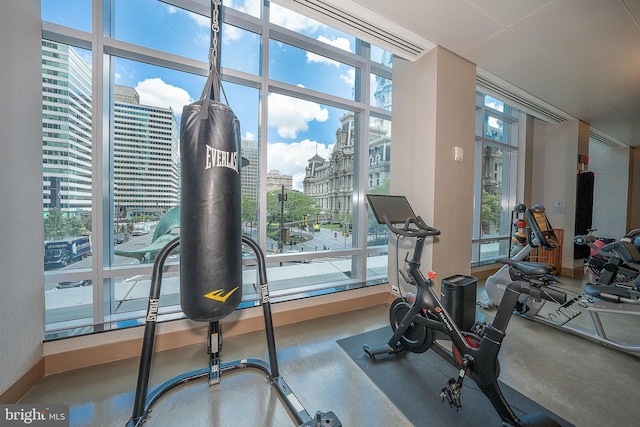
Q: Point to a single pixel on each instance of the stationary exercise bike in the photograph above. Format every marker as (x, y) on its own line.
(604, 296)
(615, 263)
(420, 323)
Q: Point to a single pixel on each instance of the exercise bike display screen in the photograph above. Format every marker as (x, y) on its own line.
(396, 208)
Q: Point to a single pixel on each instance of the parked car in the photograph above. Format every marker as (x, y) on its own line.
(141, 229)
(73, 284)
(121, 238)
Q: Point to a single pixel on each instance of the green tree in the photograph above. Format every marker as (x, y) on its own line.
(295, 207)
(74, 226)
(249, 209)
(490, 215)
(54, 225)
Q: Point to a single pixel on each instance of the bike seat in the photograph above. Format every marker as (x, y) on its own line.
(528, 268)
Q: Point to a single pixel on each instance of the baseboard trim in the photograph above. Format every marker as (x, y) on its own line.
(22, 385)
(81, 352)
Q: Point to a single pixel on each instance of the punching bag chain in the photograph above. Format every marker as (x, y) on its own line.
(215, 85)
(215, 30)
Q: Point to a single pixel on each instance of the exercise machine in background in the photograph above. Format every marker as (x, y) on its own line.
(603, 296)
(421, 322)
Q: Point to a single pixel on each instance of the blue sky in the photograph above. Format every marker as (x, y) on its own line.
(297, 129)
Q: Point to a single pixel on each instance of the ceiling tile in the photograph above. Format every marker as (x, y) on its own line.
(588, 38)
(507, 13)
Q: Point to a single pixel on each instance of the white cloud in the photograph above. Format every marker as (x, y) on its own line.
(349, 77)
(292, 115)
(157, 93)
(231, 33)
(249, 136)
(340, 42)
(252, 7)
(201, 21)
(292, 20)
(291, 159)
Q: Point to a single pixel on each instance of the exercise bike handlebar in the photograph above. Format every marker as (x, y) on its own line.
(413, 227)
(589, 240)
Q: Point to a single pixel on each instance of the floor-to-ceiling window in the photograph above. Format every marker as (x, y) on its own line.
(495, 178)
(314, 105)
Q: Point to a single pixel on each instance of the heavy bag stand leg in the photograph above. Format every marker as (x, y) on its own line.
(143, 401)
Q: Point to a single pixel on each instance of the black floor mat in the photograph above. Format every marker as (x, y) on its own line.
(413, 383)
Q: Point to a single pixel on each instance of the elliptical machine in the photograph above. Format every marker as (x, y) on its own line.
(420, 323)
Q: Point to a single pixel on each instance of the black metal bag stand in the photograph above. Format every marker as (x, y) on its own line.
(143, 401)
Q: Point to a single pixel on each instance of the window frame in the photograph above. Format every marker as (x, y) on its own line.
(105, 49)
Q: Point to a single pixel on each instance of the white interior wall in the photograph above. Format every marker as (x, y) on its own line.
(611, 168)
(21, 266)
(555, 153)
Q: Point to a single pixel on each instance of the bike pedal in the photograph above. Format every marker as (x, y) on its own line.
(451, 393)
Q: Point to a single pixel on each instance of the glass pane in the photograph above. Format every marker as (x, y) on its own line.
(379, 155)
(68, 304)
(494, 104)
(380, 94)
(148, 102)
(381, 56)
(314, 164)
(158, 25)
(378, 183)
(130, 296)
(492, 249)
(311, 70)
(66, 156)
(311, 278)
(70, 13)
(496, 129)
(240, 49)
(496, 189)
(306, 26)
(250, 7)
(245, 102)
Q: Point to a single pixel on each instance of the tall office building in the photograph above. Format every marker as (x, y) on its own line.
(249, 173)
(145, 141)
(145, 155)
(66, 130)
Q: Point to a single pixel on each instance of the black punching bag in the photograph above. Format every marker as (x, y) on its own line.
(210, 221)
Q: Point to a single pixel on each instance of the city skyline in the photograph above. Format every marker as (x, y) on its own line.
(297, 129)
